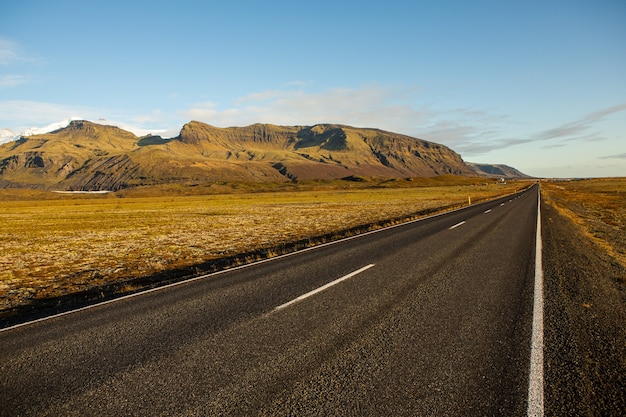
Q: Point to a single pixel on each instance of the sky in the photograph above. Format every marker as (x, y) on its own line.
(537, 85)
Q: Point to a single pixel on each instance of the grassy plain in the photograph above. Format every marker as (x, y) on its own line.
(55, 244)
(597, 207)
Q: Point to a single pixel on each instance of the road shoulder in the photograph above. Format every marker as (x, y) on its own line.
(585, 338)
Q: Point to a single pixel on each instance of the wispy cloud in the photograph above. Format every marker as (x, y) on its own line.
(8, 52)
(298, 83)
(11, 53)
(371, 106)
(394, 109)
(574, 130)
(34, 113)
(12, 57)
(468, 131)
(137, 129)
(473, 141)
(620, 156)
(12, 80)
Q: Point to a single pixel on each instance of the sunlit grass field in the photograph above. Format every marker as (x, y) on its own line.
(597, 207)
(54, 244)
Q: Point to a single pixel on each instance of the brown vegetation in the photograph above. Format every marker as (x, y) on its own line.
(53, 244)
(597, 207)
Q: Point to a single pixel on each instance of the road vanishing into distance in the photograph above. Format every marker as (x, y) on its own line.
(430, 318)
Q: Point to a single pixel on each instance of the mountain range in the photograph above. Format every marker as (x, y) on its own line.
(90, 156)
(496, 170)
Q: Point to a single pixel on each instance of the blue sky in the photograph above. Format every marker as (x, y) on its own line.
(538, 85)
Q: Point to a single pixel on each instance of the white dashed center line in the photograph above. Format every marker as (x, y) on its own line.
(457, 225)
(323, 287)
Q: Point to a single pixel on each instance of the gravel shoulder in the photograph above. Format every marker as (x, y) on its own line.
(585, 311)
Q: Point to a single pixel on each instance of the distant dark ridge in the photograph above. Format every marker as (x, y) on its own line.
(499, 170)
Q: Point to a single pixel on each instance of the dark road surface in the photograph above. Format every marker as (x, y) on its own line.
(435, 320)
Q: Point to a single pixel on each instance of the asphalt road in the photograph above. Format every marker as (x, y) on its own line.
(428, 318)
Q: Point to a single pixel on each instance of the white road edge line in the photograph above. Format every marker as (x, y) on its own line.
(535, 380)
(323, 287)
(456, 225)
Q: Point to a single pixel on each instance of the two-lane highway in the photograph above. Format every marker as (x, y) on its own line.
(432, 317)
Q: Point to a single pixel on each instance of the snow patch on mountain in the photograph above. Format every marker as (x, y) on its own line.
(49, 128)
(8, 135)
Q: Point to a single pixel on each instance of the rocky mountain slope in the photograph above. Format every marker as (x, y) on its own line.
(496, 171)
(89, 156)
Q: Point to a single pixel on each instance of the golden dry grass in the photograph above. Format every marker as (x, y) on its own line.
(597, 207)
(53, 244)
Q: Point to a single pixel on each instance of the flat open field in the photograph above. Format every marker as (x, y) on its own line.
(597, 207)
(55, 244)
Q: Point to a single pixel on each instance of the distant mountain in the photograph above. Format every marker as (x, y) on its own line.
(89, 156)
(496, 171)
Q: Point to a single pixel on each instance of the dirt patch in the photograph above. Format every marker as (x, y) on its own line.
(585, 311)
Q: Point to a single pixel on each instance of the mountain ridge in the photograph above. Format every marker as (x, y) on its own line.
(496, 170)
(88, 156)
